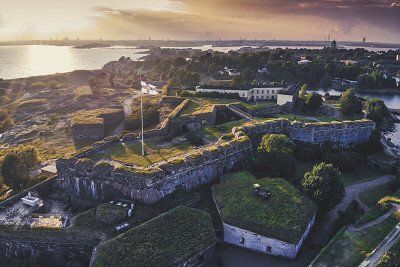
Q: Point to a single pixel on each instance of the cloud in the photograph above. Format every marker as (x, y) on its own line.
(345, 14)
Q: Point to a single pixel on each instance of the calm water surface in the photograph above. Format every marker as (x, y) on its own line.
(31, 60)
(391, 101)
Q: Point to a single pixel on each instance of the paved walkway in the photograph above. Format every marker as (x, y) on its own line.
(352, 192)
(378, 220)
(392, 238)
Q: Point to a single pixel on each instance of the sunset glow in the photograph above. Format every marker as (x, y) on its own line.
(378, 20)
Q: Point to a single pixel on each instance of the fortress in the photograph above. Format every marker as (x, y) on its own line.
(84, 177)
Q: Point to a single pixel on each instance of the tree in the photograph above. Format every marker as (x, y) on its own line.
(275, 165)
(276, 143)
(350, 104)
(303, 91)
(324, 186)
(238, 81)
(274, 157)
(17, 165)
(377, 111)
(313, 101)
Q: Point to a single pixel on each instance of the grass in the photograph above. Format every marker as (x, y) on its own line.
(95, 116)
(190, 108)
(361, 174)
(216, 131)
(83, 91)
(167, 240)
(392, 257)
(32, 103)
(350, 248)
(284, 217)
(371, 196)
(59, 236)
(142, 213)
(202, 105)
(132, 152)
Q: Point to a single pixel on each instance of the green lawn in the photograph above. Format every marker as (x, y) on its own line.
(199, 105)
(192, 107)
(371, 196)
(392, 257)
(285, 216)
(167, 240)
(156, 151)
(350, 248)
(216, 131)
(112, 215)
(362, 174)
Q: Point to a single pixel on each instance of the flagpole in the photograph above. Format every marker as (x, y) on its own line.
(141, 112)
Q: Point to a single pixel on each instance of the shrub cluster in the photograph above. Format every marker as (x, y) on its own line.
(5, 121)
(323, 185)
(345, 161)
(17, 165)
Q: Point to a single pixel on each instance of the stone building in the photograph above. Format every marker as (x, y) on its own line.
(276, 225)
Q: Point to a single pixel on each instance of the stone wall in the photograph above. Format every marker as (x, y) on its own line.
(27, 251)
(250, 240)
(91, 130)
(344, 133)
(88, 132)
(263, 111)
(84, 178)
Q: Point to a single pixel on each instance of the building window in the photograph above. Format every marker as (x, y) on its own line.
(242, 241)
(267, 91)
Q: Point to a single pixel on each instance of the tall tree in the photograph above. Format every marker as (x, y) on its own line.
(350, 104)
(323, 185)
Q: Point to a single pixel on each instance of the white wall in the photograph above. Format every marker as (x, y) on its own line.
(264, 93)
(234, 235)
(250, 240)
(283, 99)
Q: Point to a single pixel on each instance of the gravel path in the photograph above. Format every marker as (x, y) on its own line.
(352, 193)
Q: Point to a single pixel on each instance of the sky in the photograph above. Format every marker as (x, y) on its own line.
(377, 20)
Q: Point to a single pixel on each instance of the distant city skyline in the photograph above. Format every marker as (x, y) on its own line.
(350, 20)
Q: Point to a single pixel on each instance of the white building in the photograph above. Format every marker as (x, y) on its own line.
(283, 99)
(150, 89)
(257, 93)
(250, 240)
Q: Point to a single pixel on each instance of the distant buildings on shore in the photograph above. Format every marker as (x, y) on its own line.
(255, 93)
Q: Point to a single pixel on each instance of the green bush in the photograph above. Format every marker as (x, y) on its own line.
(350, 104)
(377, 111)
(345, 161)
(323, 185)
(274, 165)
(17, 165)
(276, 143)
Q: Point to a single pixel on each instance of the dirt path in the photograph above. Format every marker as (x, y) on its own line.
(392, 238)
(352, 193)
(126, 104)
